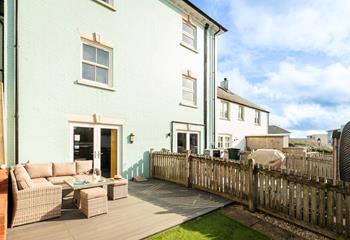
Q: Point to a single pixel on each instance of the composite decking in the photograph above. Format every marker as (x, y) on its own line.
(151, 207)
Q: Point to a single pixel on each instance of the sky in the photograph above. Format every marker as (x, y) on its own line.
(291, 57)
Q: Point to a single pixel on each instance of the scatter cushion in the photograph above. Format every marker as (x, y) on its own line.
(64, 169)
(60, 179)
(22, 177)
(92, 193)
(83, 166)
(41, 182)
(39, 170)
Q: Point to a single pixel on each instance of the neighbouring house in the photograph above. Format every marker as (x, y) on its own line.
(276, 130)
(137, 76)
(237, 118)
(319, 139)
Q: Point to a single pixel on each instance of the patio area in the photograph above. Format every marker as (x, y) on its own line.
(151, 207)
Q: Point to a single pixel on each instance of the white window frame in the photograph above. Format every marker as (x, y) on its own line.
(97, 45)
(257, 118)
(193, 91)
(224, 141)
(193, 37)
(188, 133)
(241, 113)
(222, 112)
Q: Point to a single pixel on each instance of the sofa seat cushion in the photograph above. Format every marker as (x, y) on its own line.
(64, 169)
(39, 170)
(22, 177)
(83, 176)
(60, 179)
(120, 182)
(83, 166)
(41, 182)
(92, 193)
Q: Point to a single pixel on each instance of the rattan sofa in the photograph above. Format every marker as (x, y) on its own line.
(34, 204)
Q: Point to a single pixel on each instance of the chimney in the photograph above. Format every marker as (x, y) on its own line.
(224, 84)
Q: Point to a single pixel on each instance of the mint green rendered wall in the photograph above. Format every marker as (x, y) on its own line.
(148, 62)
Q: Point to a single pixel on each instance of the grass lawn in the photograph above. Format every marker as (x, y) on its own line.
(212, 226)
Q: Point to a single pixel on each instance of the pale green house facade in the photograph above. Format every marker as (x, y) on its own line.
(108, 81)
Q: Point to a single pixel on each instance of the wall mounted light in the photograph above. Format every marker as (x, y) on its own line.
(132, 138)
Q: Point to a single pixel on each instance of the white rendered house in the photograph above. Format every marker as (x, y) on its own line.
(237, 118)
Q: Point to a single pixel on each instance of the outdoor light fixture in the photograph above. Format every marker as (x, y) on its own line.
(132, 138)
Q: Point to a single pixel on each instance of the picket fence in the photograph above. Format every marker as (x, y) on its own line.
(316, 203)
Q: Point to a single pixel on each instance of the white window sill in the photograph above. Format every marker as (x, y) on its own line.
(185, 45)
(95, 85)
(188, 105)
(106, 5)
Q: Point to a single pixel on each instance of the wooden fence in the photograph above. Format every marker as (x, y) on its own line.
(319, 166)
(315, 203)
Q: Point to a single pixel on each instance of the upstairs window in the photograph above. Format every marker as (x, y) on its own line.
(241, 113)
(257, 118)
(189, 91)
(189, 34)
(96, 64)
(224, 111)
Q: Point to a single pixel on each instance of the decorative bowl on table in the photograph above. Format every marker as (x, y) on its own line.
(81, 182)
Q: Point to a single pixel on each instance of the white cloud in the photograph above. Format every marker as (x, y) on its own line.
(298, 25)
(303, 99)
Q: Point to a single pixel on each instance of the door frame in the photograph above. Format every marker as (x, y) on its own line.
(97, 142)
(198, 133)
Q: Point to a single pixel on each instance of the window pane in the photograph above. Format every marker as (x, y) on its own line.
(101, 75)
(187, 96)
(187, 83)
(102, 57)
(194, 143)
(188, 40)
(89, 53)
(181, 142)
(88, 72)
(187, 28)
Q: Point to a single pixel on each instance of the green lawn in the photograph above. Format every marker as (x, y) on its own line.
(212, 226)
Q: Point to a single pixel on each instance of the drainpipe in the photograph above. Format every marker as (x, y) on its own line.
(214, 88)
(205, 84)
(16, 88)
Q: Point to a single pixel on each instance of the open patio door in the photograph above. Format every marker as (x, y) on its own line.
(97, 143)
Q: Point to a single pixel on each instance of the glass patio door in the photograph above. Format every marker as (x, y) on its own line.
(187, 141)
(97, 143)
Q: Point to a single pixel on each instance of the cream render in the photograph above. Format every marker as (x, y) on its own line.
(231, 131)
(144, 99)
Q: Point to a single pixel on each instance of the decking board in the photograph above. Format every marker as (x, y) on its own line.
(151, 207)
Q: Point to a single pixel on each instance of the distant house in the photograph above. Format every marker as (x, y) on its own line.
(237, 118)
(319, 139)
(273, 130)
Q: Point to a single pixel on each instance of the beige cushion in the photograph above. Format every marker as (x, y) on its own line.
(59, 180)
(83, 166)
(39, 170)
(41, 182)
(22, 177)
(92, 193)
(64, 169)
(83, 176)
(120, 182)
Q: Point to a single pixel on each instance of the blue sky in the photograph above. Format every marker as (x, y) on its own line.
(291, 57)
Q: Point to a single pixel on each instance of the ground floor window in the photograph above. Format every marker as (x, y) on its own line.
(188, 141)
(224, 141)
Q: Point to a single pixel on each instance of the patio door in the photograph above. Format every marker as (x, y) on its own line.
(187, 141)
(98, 143)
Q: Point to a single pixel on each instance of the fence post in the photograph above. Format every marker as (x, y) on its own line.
(188, 165)
(252, 187)
(151, 163)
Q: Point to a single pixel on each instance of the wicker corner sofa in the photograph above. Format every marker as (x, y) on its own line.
(35, 204)
(42, 198)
